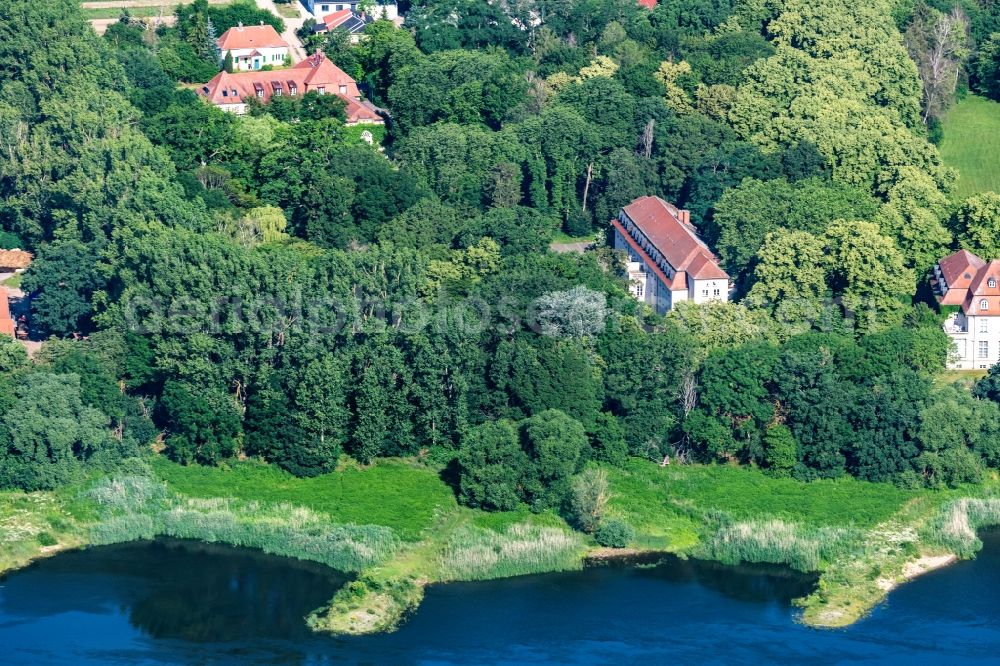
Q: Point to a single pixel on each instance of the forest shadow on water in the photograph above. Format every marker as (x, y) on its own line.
(180, 602)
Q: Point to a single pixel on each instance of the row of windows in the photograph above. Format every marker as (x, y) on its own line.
(715, 292)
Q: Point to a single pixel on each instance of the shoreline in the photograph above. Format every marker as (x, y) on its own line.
(860, 571)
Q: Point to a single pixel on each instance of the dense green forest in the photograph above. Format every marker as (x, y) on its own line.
(271, 285)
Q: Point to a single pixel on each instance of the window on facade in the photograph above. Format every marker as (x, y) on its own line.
(717, 293)
(704, 292)
(984, 304)
(638, 290)
(984, 349)
(321, 90)
(326, 8)
(984, 325)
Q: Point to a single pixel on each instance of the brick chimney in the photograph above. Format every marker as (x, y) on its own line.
(684, 216)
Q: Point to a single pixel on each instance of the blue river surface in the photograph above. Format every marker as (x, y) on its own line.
(174, 602)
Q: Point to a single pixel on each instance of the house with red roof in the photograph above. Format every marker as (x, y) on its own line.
(252, 47)
(668, 262)
(351, 22)
(230, 91)
(968, 284)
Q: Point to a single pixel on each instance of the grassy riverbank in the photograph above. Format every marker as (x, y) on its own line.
(398, 527)
(863, 538)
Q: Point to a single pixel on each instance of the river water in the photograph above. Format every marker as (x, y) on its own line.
(172, 602)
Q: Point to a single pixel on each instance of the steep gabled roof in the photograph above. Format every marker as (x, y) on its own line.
(251, 37)
(959, 268)
(312, 74)
(677, 240)
(980, 290)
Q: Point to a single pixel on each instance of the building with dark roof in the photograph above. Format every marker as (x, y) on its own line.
(351, 22)
(668, 261)
(379, 9)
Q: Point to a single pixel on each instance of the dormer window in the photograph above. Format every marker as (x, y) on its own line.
(984, 304)
(343, 89)
(992, 283)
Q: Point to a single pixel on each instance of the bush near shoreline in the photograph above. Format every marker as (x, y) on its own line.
(863, 538)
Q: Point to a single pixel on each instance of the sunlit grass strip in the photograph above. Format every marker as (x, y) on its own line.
(776, 541)
(480, 554)
(141, 508)
(34, 524)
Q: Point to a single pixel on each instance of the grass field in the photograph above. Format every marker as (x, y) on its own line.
(972, 145)
(395, 494)
(650, 496)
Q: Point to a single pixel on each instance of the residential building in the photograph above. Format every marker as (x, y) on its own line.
(347, 20)
(668, 262)
(379, 9)
(966, 282)
(314, 74)
(252, 47)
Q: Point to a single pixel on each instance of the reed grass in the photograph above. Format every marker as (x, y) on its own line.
(142, 508)
(956, 525)
(776, 541)
(474, 553)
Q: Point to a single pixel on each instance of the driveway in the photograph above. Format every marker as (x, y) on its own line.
(291, 25)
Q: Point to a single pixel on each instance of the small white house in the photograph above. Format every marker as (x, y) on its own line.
(252, 47)
(320, 9)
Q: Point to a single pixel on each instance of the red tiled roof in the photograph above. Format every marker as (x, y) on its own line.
(703, 268)
(981, 290)
(312, 74)
(250, 37)
(336, 18)
(6, 321)
(677, 241)
(680, 279)
(959, 268)
(648, 4)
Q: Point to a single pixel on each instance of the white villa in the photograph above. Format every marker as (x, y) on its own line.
(965, 280)
(668, 261)
(252, 47)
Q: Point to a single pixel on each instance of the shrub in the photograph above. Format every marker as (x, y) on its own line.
(615, 533)
(589, 497)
